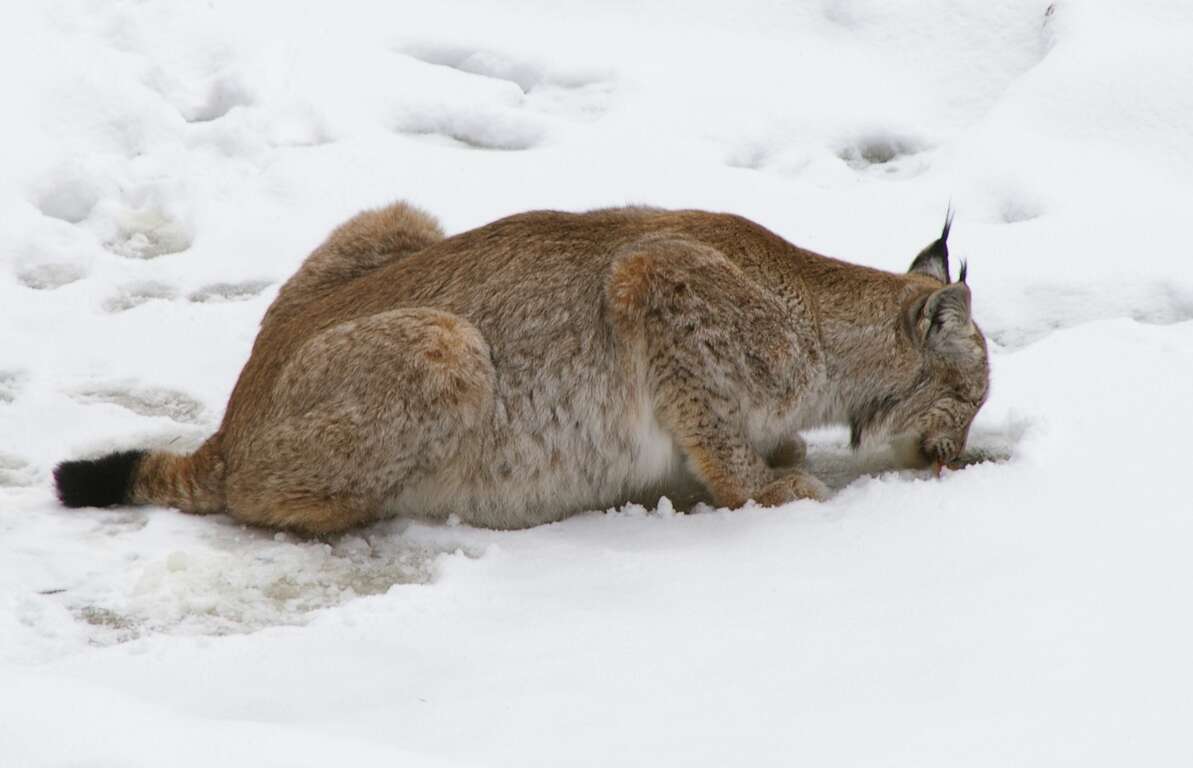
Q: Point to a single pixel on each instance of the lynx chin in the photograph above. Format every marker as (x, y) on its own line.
(550, 363)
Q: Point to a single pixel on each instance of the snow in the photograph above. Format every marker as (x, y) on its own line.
(167, 165)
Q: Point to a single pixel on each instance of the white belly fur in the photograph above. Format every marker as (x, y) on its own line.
(629, 458)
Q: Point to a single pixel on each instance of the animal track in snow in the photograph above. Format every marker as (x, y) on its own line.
(477, 62)
(68, 193)
(298, 126)
(749, 156)
(117, 628)
(875, 155)
(759, 155)
(119, 521)
(222, 94)
(147, 401)
(136, 294)
(11, 383)
(584, 102)
(887, 155)
(1051, 307)
(224, 292)
(477, 128)
(47, 277)
(525, 73)
(510, 123)
(146, 234)
(1015, 210)
(15, 472)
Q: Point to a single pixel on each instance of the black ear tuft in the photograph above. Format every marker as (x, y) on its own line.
(948, 224)
(964, 271)
(102, 482)
(933, 261)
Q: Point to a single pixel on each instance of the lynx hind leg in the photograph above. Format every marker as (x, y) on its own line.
(368, 240)
(361, 410)
(711, 340)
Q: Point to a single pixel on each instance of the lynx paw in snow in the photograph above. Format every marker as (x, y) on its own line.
(790, 487)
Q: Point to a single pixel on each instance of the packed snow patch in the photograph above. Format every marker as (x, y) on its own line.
(245, 580)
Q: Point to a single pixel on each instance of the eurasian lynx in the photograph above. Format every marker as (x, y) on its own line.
(550, 363)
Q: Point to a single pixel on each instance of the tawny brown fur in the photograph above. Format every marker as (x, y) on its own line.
(553, 362)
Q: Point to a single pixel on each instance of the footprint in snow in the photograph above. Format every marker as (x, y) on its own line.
(147, 401)
(11, 384)
(16, 472)
(886, 155)
(136, 294)
(882, 156)
(68, 193)
(575, 94)
(219, 96)
(485, 63)
(225, 292)
(47, 277)
(1016, 209)
(480, 127)
(147, 233)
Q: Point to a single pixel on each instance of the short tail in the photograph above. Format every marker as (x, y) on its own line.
(193, 483)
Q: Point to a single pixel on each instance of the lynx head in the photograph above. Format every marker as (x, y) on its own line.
(948, 373)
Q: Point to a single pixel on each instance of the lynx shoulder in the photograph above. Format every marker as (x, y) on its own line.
(549, 363)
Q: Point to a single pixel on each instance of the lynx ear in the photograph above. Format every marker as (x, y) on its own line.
(941, 319)
(933, 261)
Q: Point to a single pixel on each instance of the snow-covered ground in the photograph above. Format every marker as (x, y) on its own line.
(166, 165)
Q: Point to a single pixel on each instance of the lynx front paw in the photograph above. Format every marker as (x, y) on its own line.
(940, 450)
(792, 486)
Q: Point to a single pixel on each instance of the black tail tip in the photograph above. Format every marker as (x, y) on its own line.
(102, 482)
